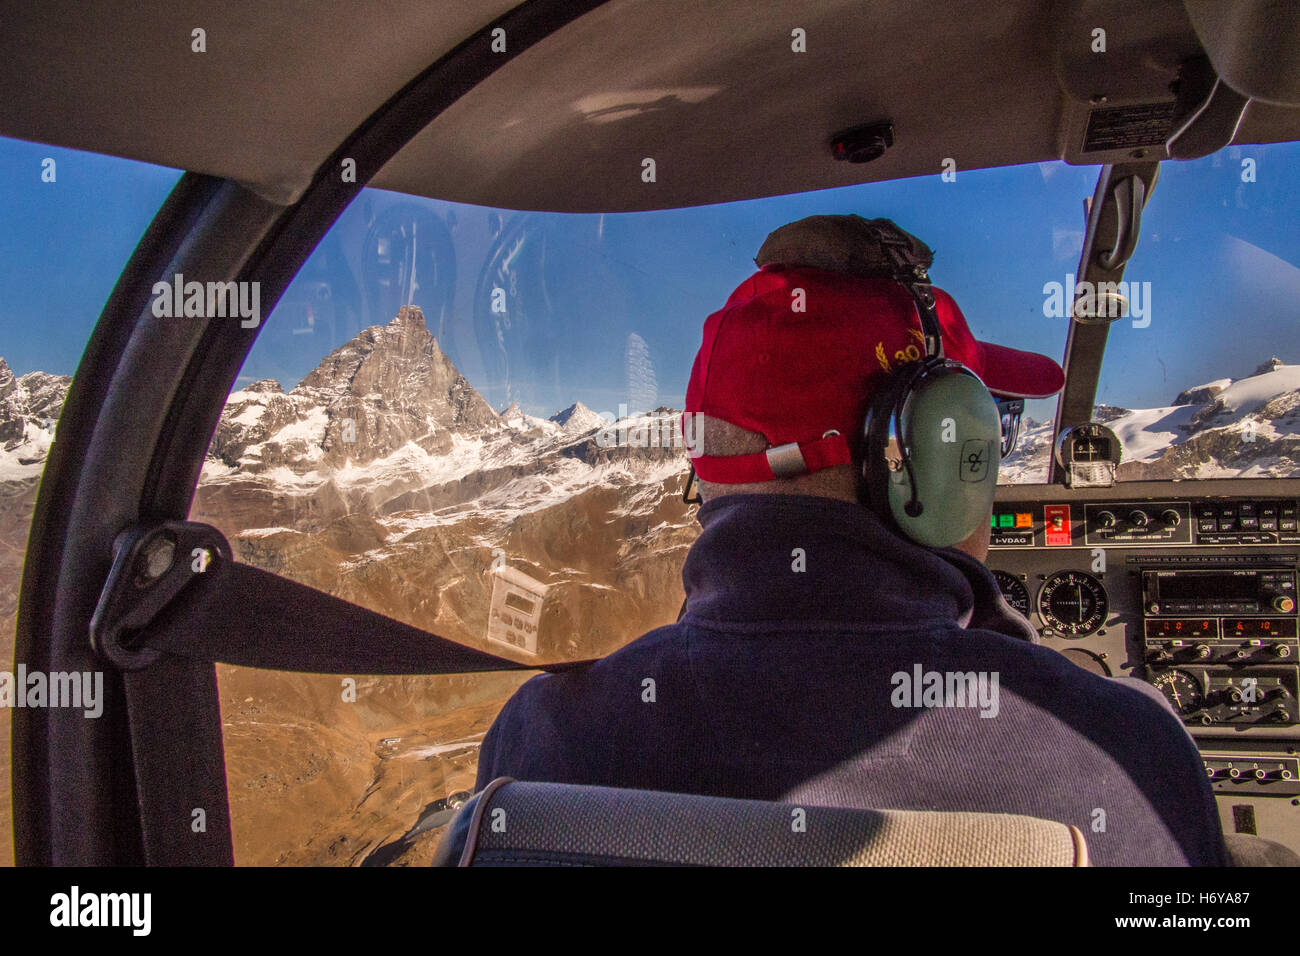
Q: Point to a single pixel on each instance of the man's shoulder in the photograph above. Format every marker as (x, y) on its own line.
(1024, 665)
(1124, 716)
(1120, 715)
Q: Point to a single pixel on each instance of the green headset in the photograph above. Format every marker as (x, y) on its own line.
(932, 437)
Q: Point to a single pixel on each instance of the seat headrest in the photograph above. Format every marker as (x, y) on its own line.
(548, 824)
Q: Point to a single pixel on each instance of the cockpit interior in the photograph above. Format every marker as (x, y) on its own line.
(457, 246)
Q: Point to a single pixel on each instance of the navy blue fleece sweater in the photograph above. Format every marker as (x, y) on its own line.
(783, 684)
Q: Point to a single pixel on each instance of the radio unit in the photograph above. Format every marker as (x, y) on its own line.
(1221, 643)
(1248, 591)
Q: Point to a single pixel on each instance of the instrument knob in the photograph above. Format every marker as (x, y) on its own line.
(1284, 603)
(1282, 650)
(1139, 518)
(1202, 651)
(1106, 519)
(1171, 518)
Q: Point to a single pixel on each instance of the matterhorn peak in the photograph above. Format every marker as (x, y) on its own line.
(512, 411)
(408, 317)
(269, 385)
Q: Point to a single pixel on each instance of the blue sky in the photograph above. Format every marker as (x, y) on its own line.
(1221, 256)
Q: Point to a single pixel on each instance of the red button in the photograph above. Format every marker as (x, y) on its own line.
(1056, 533)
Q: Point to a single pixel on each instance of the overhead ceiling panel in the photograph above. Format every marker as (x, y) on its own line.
(714, 93)
(718, 98)
(282, 82)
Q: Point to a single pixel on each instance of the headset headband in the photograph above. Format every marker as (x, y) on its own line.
(912, 274)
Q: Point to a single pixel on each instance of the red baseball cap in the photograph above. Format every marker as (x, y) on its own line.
(797, 352)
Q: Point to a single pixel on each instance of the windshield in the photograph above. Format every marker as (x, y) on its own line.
(464, 418)
(1200, 380)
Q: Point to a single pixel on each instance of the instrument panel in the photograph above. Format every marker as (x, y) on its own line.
(1194, 593)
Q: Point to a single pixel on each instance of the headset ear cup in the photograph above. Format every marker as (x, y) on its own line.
(953, 433)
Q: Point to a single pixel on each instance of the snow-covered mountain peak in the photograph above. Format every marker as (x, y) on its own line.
(1248, 427)
(262, 385)
(1250, 394)
(386, 389)
(578, 419)
(1201, 394)
(409, 317)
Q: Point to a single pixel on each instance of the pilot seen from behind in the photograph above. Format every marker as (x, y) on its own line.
(842, 643)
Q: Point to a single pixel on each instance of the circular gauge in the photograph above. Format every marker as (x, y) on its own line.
(1088, 443)
(1088, 455)
(1183, 690)
(1013, 591)
(1073, 603)
(1087, 660)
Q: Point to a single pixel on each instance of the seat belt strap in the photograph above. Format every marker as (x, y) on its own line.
(234, 613)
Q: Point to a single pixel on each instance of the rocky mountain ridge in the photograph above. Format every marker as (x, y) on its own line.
(30, 406)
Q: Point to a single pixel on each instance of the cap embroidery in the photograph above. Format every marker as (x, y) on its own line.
(909, 354)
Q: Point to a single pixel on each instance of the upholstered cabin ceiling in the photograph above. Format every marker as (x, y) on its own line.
(282, 82)
(712, 92)
(716, 97)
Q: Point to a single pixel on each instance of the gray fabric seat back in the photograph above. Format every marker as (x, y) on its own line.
(546, 824)
(1246, 849)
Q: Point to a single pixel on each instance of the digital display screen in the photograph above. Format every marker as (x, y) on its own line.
(1208, 587)
(1259, 627)
(1183, 627)
(519, 603)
